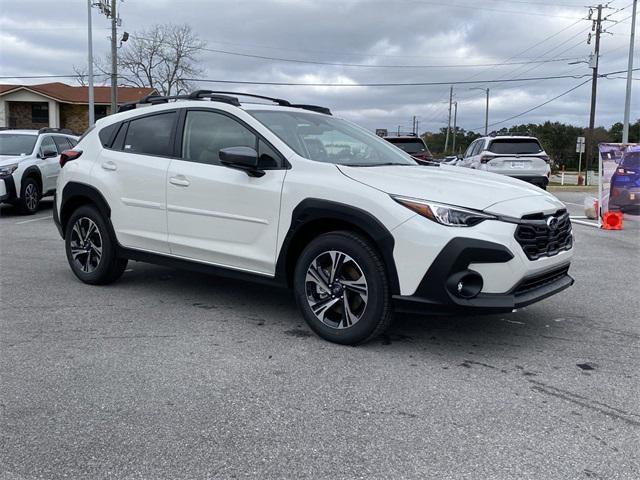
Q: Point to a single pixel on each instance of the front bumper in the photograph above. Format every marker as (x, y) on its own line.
(433, 296)
(7, 189)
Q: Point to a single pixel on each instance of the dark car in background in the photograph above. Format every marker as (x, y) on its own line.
(413, 145)
(625, 183)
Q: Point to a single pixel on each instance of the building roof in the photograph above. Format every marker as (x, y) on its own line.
(80, 95)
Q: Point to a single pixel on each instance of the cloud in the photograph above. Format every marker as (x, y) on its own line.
(43, 37)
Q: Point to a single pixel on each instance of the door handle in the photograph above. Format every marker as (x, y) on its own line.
(109, 165)
(180, 181)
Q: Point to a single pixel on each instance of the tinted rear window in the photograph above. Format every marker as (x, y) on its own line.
(106, 134)
(151, 135)
(631, 160)
(409, 145)
(513, 146)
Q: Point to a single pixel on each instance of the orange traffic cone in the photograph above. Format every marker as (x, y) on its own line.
(612, 221)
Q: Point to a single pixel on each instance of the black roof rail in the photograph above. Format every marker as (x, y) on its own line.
(64, 131)
(278, 101)
(218, 96)
(313, 108)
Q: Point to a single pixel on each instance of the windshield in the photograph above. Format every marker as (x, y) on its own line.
(514, 146)
(330, 140)
(15, 144)
(631, 160)
(409, 146)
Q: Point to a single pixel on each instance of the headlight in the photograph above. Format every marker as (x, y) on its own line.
(449, 215)
(8, 169)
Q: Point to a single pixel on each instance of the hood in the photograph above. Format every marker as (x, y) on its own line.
(9, 159)
(452, 185)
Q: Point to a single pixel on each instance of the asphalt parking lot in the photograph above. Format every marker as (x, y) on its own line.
(170, 374)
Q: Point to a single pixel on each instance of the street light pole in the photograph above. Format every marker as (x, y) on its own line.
(455, 121)
(627, 100)
(486, 116)
(114, 57)
(90, 61)
(486, 111)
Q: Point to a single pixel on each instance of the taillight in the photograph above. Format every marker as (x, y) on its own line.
(545, 158)
(69, 155)
(486, 158)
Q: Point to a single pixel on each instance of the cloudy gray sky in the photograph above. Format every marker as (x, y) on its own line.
(440, 40)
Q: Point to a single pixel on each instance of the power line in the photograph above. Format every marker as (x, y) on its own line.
(488, 9)
(362, 65)
(537, 106)
(605, 75)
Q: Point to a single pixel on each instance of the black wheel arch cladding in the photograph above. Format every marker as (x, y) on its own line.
(314, 215)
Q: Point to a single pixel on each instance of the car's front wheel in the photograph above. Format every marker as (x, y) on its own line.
(91, 252)
(341, 287)
(29, 196)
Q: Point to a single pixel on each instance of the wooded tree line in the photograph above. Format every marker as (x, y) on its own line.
(558, 139)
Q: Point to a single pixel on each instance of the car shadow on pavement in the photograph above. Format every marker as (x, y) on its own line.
(7, 210)
(276, 307)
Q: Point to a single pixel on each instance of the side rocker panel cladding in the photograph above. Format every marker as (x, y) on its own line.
(314, 210)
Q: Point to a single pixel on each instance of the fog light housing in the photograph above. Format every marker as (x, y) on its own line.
(466, 284)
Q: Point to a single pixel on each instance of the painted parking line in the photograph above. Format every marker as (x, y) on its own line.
(34, 220)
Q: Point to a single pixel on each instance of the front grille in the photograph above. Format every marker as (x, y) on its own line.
(541, 280)
(542, 235)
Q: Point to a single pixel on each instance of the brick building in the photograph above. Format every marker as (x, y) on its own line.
(58, 105)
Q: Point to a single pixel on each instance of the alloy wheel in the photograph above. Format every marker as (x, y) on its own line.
(86, 244)
(31, 196)
(336, 289)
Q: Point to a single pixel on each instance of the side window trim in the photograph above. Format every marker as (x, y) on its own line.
(179, 136)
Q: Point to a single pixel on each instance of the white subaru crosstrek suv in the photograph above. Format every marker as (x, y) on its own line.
(516, 156)
(29, 164)
(290, 195)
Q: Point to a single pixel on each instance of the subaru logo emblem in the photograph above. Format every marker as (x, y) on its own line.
(552, 223)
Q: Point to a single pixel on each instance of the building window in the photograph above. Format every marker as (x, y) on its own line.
(100, 111)
(40, 113)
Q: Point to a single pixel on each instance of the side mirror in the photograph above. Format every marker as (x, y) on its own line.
(241, 158)
(48, 154)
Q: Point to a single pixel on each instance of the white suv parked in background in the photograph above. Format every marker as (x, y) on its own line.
(518, 157)
(29, 164)
(289, 195)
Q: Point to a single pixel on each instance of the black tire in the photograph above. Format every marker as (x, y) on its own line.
(375, 314)
(87, 266)
(30, 196)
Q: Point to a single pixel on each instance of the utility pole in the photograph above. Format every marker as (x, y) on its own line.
(486, 116)
(413, 127)
(455, 121)
(90, 64)
(594, 90)
(417, 127)
(627, 100)
(446, 138)
(114, 57)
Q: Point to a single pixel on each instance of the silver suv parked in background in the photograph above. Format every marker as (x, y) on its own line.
(520, 157)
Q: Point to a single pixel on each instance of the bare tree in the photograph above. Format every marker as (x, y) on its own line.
(162, 57)
(82, 75)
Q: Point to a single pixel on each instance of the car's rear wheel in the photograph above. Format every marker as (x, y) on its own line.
(341, 288)
(91, 251)
(29, 196)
